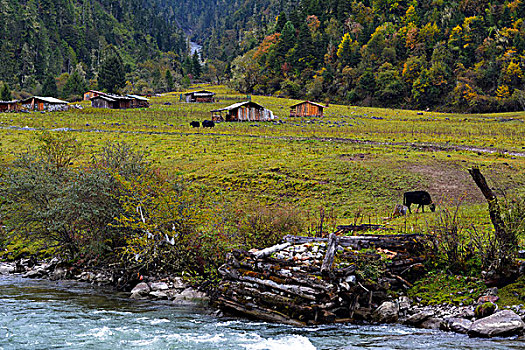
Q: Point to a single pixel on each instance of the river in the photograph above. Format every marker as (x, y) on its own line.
(194, 47)
(40, 314)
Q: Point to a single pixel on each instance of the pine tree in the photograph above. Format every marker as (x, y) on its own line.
(287, 40)
(169, 80)
(75, 85)
(281, 21)
(304, 48)
(186, 65)
(49, 87)
(111, 74)
(196, 65)
(5, 93)
(156, 79)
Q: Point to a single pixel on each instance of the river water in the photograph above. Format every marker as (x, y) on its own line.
(39, 314)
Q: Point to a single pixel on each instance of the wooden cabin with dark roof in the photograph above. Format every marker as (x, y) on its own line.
(201, 96)
(138, 101)
(307, 109)
(111, 101)
(39, 103)
(242, 112)
(10, 106)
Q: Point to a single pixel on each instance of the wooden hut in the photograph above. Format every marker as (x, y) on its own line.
(111, 101)
(92, 93)
(241, 112)
(307, 109)
(10, 106)
(39, 103)
(202, 96)
(138, 101)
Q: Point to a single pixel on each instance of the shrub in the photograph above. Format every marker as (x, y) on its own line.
(450, 242)
(257, 226)
(73, 208)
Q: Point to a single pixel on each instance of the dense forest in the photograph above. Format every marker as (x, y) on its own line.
(58, 38)
(465, 55)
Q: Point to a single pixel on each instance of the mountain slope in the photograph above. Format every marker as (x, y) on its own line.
(49, 37)
(466, 55)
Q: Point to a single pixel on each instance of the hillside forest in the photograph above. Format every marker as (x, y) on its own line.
(465, 55)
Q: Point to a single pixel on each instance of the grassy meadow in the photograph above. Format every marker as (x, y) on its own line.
(355, 163)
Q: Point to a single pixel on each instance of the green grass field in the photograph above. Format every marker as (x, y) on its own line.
(356, 162)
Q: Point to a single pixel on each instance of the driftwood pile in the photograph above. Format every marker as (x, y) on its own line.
(308, 280)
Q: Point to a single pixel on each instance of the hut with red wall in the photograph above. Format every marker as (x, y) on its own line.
(39, 103)
(10, 106)
(307, 109)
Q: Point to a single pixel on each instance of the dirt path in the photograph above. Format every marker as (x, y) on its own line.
(419, 146)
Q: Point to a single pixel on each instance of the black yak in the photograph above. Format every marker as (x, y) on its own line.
(421, 198)
(195, 124)
(208, 124)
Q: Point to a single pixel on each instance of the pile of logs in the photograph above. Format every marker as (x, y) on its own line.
(308, 280)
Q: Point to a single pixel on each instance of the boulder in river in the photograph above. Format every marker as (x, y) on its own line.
(6, 269)
(178, 283)
(158, 295)
(36, 273)
(191, 296)
(58, 273)
(432, 323)
(159, 286)
(418, 318)
(140, 291)
(501, 324)
(458, 325)
(387, 312)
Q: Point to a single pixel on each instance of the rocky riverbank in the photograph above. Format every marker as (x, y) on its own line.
(172, 289)
(482, 319)
(359, 279)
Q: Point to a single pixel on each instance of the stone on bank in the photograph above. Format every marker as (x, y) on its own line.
(501, 324)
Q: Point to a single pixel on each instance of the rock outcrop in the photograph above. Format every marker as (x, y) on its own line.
(458, 325)
(501, 324)
(388, 312)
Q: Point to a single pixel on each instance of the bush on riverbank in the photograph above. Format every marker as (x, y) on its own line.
(116, 208)
(66, 207)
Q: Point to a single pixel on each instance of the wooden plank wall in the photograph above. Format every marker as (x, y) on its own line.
(307, 109)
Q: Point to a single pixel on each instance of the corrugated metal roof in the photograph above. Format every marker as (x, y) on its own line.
(104, 97)
(13, 101)
(201, 93)
(97, 92)
(113, 97)
(137, 97)
(237, 105)
(313, 103)
(46, 99)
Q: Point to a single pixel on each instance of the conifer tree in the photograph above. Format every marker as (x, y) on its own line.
(157, 79)
(281, 21)
(111, 75)
(75, 85)
(169, 80)
(49, 87)
(196, 65)
(5, 93)
(287, 40)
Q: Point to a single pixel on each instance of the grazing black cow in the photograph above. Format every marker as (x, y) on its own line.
(421, 198)
(208, 124)
(195, 124)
